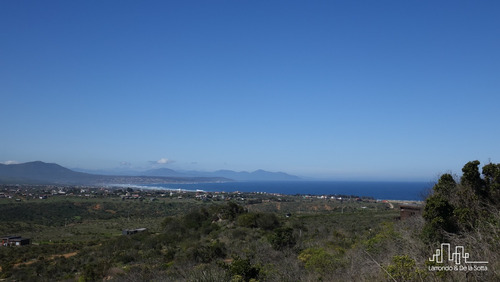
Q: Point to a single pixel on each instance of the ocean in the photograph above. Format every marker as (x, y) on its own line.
(411, 191)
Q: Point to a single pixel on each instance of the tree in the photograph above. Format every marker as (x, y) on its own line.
(461, 207)
(242, 270)
(472, 178)
(438, 214)
(491, 173)
(195, 219)
(446, 185)
(282, 238)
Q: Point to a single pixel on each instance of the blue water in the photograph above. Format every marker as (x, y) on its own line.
(378, 190)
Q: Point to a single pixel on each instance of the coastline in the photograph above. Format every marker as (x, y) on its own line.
(392, 192)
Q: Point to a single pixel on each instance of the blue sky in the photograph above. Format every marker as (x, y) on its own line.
(368, 90)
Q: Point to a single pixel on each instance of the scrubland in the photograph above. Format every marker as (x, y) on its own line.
(264, 238)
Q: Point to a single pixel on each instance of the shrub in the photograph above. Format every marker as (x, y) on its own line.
(242, 270)
(247, 220)
(317, 259)
(403, 269)
(207, 253)
(282, 238)
(378, 243)
(266, 221)
(227, 212)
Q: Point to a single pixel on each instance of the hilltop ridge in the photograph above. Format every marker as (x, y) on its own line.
(39, 172)
(258, 175)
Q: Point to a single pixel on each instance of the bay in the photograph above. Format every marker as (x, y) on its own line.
(411, 191)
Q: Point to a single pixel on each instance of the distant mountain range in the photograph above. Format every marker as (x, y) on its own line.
(258, 175)
(48, 173)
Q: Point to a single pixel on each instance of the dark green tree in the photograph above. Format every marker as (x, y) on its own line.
(282, 238)
(247, 220)
(472, 178)
(446, 185)
(242, 270)
(438, 214)
(462, 207)
(195, 219)
(228, 211)
(266, 221)
(491, 173)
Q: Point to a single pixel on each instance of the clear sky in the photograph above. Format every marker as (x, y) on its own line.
(368, 90)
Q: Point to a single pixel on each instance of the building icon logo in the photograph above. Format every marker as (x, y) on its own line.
(459, 257)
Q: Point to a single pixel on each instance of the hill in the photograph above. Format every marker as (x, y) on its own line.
(42, 173)
(48, 173)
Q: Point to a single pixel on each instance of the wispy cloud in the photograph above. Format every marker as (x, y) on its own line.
(125, 163)
(10, 162)
(161, 161)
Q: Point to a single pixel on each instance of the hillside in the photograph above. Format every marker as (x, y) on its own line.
(47, 173)
(42, 173)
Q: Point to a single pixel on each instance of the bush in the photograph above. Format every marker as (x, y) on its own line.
(403, 269)
(207, 253)
(248, 220)
(243, 270)
(230, 211)
(266, 221)
(282, 238)
(317, 259)
(195, 219)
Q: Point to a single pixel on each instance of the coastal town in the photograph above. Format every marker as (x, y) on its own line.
(20, 193)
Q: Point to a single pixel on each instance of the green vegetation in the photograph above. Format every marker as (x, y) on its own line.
(470, 205)
(250, 237)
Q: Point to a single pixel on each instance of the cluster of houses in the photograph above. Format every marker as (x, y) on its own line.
(341, 198)
(8, 241)
(42, 192)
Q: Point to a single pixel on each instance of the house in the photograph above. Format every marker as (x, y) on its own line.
(406, 211)
(8, 241)
(133, 231)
